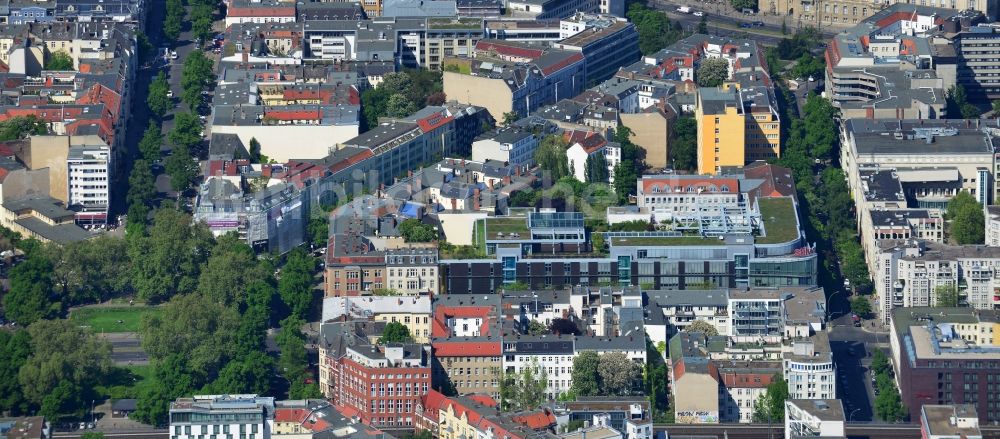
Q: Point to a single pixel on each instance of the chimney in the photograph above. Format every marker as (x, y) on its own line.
(454, 204)
(246, 56)
(506, 179)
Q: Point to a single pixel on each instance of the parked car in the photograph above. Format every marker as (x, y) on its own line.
(699, 14)
(173, 54)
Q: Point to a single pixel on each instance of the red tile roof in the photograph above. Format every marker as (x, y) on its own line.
(467, 349)
(434, 121)
(508, 50)
(687, 185)
(260, 12)
(563, 63)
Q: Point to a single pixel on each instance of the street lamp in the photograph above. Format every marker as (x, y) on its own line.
(851, 417)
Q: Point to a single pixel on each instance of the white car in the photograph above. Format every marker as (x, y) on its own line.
(170, 93)
(173, 54)
(699, 14)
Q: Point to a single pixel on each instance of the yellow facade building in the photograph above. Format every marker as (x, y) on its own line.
(736, 125)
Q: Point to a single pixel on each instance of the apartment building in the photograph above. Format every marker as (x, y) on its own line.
(694, 381)
(412, 271)
(992, 236)
(466, 337)
(629, 415)
(844, 13)
(772, 314)
(976, 48)
(382, 383)
(412, 312)
(553, 355)
(513, 145)
(242, 416)
(814, 418)
(941, 357)
(916, 273)
(506, 77)
(89, 167)
(670, 312)
(809, 368)
(478, 415)
(933, 159)
(949, 421)
(736, 126)
(583, 146)
(742, 383)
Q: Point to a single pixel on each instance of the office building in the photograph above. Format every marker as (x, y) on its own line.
(947, 356)
(949, 421)
(241, 416)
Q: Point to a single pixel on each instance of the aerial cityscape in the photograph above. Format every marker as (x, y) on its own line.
(499, 219)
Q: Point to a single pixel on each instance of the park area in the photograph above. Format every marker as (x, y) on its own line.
(108, 319)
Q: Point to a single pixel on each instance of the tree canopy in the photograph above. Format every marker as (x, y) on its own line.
(551, 156)
(296, 283)
(395, 332)
(684, 144)
(22, 126)
(157, 99)
(702, 326)
(65, 364)
(413, 230)
(770, 405)
(59, 60)
(655, 29)
(966, 220)
(712, 72)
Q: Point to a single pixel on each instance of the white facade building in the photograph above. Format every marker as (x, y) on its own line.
(222, 416)
(513, 145)
(814, 418)
(88, 167)
(810, 371)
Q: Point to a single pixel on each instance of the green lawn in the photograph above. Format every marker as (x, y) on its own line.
(780, 222)
(105, 319)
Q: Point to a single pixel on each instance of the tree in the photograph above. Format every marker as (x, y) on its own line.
(157, 100)
(395, 332)
(510, 117)
(618, 374)
(957, 104)
(551, 156)
(248, 374)
(318, 228)
(966, 220)
(186, 132)
(703, 25)
(15, 348)
(30, 289)
(256, 317)
(413, 230)
(254, 150)
(172, 377)
(536, 328)
(523, 390)
(229, 269)
(374, 103)
(946, 296)
(22, 126)
(92, 435)
(808, 66)
(399, 106)
(90, 271)
(702, 326)
(655, 29)
(770, 405)
(141, 184)
(586, 378)
(684, 144)
(740, 5)
(889, 406)
(151, 142)
(66, 361)
(167, 260)
(596, 168)
(712, 72)
(396, 83)
(181, 169)
(296, 283)
(563, 326)
(201, 22)
(59, 60)
(880, 362)
(995, 106)
(193, 325)
(861, 306)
